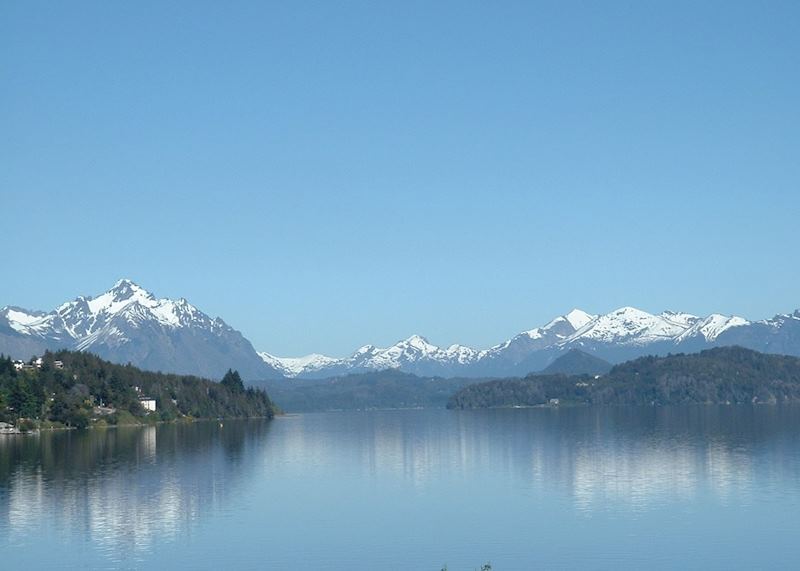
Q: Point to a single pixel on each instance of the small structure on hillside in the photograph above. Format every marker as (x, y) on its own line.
(103, 410)
(6, 428)
(34, 364)
(23, 366)
(148, 403)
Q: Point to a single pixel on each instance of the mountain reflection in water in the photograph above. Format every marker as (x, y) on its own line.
(389, 489)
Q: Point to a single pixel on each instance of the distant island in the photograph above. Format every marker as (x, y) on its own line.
(77, 389)
(723, 375)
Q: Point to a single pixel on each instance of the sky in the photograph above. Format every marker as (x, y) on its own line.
(324, 175)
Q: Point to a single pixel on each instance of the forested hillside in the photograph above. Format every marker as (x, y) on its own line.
(76, 389)
(721, 375)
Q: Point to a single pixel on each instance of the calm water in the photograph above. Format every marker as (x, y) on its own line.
(595, 488)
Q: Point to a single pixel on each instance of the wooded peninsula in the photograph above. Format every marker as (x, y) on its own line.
(74, 390)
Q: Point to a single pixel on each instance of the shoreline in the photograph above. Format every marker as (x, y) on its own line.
(97, 426)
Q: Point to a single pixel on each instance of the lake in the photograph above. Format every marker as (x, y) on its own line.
(602, 488)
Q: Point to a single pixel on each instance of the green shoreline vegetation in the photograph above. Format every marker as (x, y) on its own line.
(723, 375)
(68, 389)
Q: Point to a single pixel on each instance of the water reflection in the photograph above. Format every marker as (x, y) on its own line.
(307, 489)
(124, 487)
(628, 458)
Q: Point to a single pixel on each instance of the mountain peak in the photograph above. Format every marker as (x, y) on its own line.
(124, 293)
(578, 318)
(628, 310)
(128, 323)
(123, 282)
(125, 289)
(416, 341)
(629, 325)
(563, 325)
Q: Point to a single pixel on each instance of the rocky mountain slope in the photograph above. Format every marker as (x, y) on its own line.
(129, 324)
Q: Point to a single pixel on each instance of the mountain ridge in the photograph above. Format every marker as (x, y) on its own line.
(129, 324)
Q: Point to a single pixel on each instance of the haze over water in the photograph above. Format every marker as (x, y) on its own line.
(697, 487)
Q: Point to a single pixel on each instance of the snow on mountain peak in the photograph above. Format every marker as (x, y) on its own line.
(417, 341)
(578, 318)
(679, 317)
(293, 366)
(125, 283)
(563, 325)
(27, 322)
(22, 317)
(118, 297)
(126, 289)
(86, 319)
(629, 325)
(711, 327)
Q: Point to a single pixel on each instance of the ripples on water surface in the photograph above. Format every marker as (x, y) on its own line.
(696, 487)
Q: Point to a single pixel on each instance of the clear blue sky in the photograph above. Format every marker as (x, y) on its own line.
(328, 174)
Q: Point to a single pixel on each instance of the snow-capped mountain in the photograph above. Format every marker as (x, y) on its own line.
(129, 324)
(293, 366)
(414, 355)
(711, 327)
(631, 326)
(622, 334)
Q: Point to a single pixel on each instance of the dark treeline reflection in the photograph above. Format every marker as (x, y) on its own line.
(635, 456)
(123, 487)
(628, 455)
(422, 486)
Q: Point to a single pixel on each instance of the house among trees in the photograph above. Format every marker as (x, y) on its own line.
(35, 364)
(7, 428)
(148, 403)
(22, 366)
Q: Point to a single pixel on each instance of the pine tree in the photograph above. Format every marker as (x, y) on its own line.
(233, 382)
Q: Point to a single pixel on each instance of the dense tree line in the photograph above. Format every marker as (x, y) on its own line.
(72, 393)
(717, 376)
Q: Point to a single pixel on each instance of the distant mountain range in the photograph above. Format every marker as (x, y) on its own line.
(129, 324)
(621, 335)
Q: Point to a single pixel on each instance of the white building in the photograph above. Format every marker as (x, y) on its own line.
(148, 403)
(6, 428)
